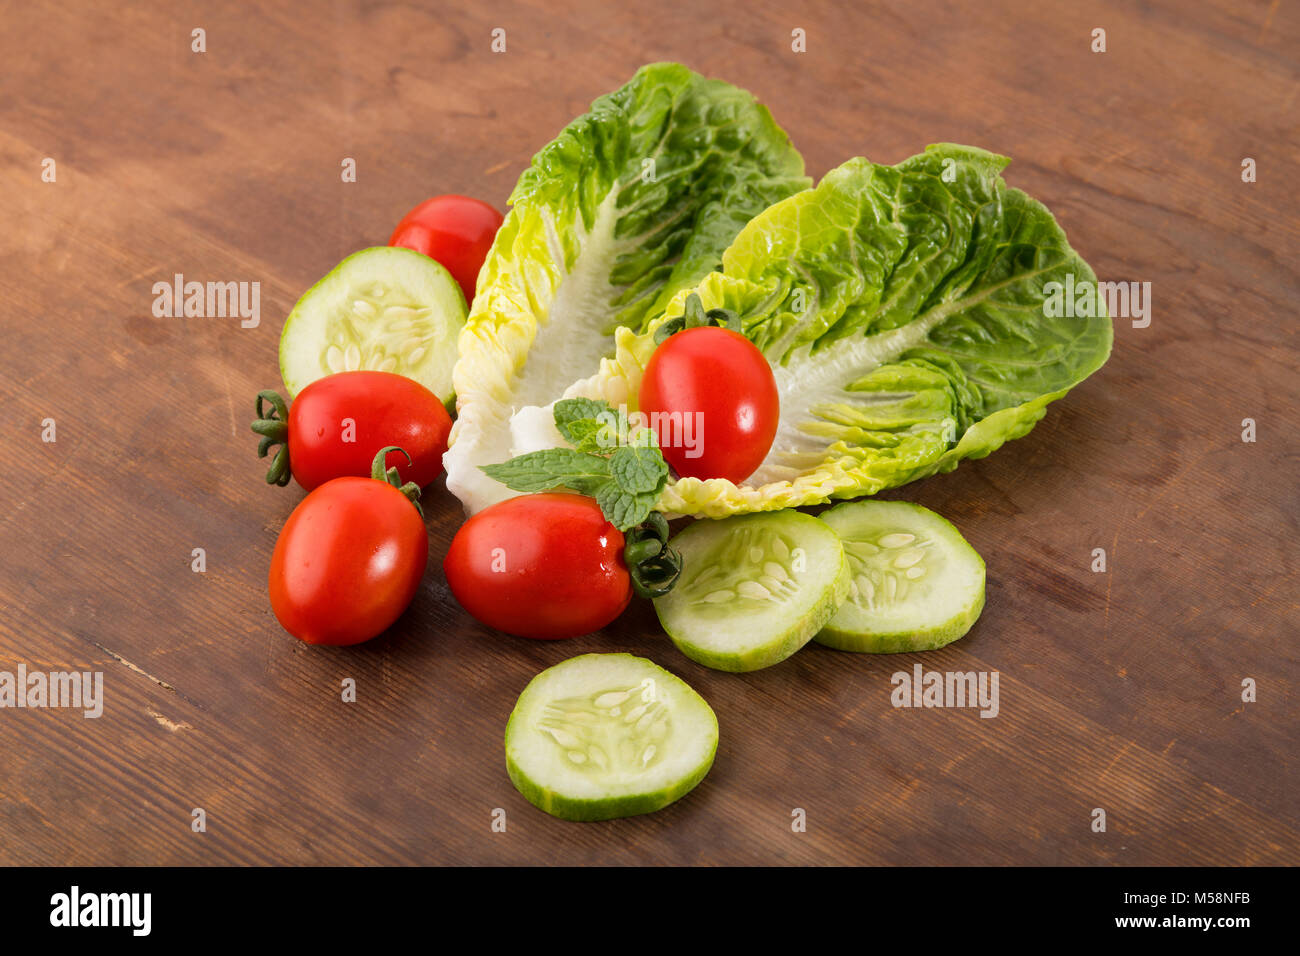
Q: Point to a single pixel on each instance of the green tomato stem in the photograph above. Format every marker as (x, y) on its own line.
(389, 476)
(653, 566)
(273, 426)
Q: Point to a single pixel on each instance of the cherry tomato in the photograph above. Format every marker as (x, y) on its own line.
(545, 566)
(348, 562)
(337, 422)
(711, 397)
(456, 231)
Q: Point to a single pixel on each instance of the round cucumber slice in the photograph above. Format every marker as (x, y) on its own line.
(608, 735)
(754, 588)
(916, 583)
(385, 309)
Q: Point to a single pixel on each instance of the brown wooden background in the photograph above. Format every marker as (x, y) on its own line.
(1118, 690)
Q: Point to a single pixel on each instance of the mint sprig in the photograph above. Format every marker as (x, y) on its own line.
(624, 510)
(589, 425)
(553, 468)
(638, 469)
(623, 470)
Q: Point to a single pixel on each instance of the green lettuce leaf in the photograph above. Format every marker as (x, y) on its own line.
(631, 203)
(903, 311)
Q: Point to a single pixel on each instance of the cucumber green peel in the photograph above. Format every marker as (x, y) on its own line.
(916, 583)
(754, 588)
(385, 309)
(601, 736)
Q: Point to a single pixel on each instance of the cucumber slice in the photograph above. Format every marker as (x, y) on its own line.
(754, 588)
(386, 309)
(917, 584)
(608, 735)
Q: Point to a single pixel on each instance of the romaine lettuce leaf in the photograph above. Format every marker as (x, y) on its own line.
(902, 309)
(631, 203)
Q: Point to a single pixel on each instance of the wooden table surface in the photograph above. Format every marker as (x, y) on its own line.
(1119, 690)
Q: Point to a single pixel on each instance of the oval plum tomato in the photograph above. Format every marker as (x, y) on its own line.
(711, 397)
(338, 421)
(545, 566)
(349, 560)
(457, 231)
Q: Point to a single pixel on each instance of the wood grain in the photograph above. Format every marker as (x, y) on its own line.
(1119, 690)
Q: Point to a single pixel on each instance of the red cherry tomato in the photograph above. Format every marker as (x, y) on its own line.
(338, 422)
(545, 566)
(456, 231)
(711, 397)
(348, 562)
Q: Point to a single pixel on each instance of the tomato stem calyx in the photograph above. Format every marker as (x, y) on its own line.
(273, 426)
(653, 566)
(695, 317)
(391, 477)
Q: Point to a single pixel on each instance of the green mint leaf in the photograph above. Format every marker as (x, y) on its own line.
(589, 425)
(644, 438)
(614, 430)
(568, 410)
(624, 511)
(586, 435)
(552, 468)
(587, 484)
(637, 469)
